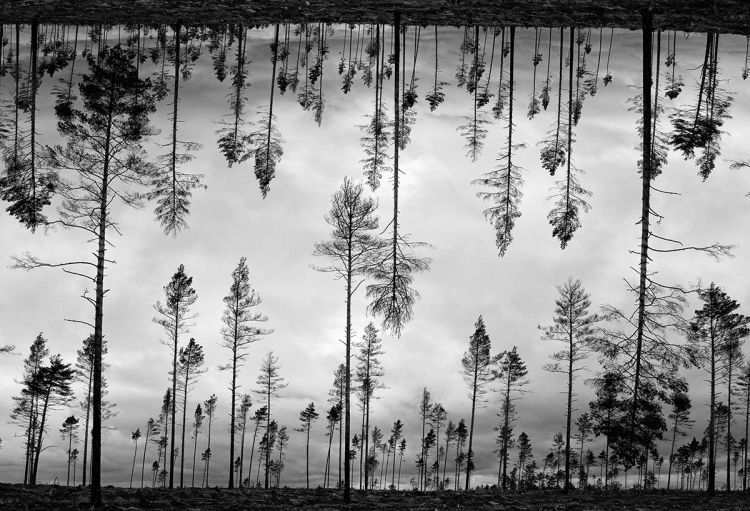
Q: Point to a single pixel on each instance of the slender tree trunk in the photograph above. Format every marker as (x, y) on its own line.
(645, 209)
(569, 412)
(208, 448)
(87, 432)
(184, 419)
(70, 447)
(268, 436)
(38, 449)
(252, 452)
(400, 459)
(132, 471)
(471, 424)
(143, 461)
(328, 458)
(231, 421)
(730, 360)
(307, 442)
(195, 451)
(242, 449)
(712, 417)
(747, 423)
(671, 451)
(506, 435)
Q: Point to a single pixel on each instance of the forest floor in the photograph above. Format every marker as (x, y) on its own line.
(731, 16)
(17, 498)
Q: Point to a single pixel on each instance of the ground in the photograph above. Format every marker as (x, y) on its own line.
(17, 498)
(732, 16)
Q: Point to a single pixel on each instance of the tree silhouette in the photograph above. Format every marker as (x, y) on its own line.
(68, 430)
(438, 416)
(573, 325)
(351, 249)
(268, 149)
(511, 374)
(198, 419)
(174, 317)
(26, 184)
(306, 418)
(134, 437)
(699, 126)
(425, 406)
(269, 382)
(234, 140)
(209, 406)
(474, 130)
(606, 410)
(103, 151)
(150, 431)
(259, 417)
(564, 216)
(85, 374)
(238, 333)
(25, 413)
(240, 421)
(336, 398)
(713, 326)
(681, 416)
(191, 360)
(333, 417)
(553, 154)
(375, 133)
(52, 385)
(477, 373)
(368, 374)
(172, 189)
(506, 178)
(535, 60)
(437, 96)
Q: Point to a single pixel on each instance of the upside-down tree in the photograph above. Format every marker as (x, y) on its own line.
(238, 332)
(506, 179)
(392, 296)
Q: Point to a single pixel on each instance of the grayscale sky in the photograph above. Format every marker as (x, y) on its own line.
(306, 309)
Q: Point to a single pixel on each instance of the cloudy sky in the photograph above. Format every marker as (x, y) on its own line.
(306, 309)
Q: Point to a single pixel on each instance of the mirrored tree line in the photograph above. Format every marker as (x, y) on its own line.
(103, 116)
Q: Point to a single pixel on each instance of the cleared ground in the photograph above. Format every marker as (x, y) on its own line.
(16, 497)
(732, 16)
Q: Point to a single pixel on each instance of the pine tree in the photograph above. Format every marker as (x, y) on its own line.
(606, 412)
(190, 362)
(511, 375)
(711, 329)
(134, 437)
(198, 419)
(259, 417)
(477, 373)
(680, 416)
(306, 417)
(269, 382)
(241, 419)
(174, 317)
(68, 430)
(209, 406)
(238, 333)
(573, 325)
(104, 152)
(368, 374)
(352, 249)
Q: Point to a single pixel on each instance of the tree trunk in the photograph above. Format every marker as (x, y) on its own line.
(143, 462)
(252, 452)
(177, 313)
(132, 471)
(86, 432)
(184, 419)
(195, 451)
(471, 426)
(231, 421)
